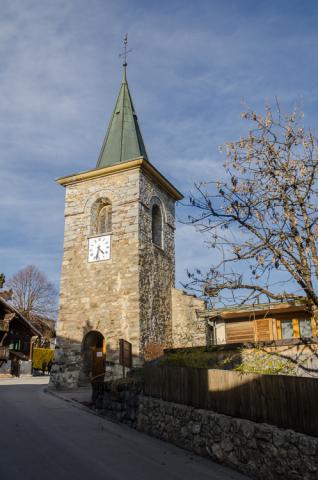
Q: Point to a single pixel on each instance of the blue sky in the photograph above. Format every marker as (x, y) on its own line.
(193, 65)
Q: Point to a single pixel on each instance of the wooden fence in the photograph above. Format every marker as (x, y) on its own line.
(285, 401)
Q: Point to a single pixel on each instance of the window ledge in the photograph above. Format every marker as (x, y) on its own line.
(161, 249)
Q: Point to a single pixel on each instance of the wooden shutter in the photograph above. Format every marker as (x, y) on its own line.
(240, 332)
(263, 329)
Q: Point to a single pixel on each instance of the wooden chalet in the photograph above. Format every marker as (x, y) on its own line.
(261, 322)
(17, 335)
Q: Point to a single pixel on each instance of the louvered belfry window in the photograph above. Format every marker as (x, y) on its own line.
(104, 220)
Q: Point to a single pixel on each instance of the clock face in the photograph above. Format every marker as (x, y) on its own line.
(99, 248)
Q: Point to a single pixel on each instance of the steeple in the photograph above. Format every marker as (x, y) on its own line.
(123, 140)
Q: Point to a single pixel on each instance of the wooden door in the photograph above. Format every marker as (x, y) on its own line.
(98, 364)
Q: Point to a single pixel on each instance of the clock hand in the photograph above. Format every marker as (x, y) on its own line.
(101, 251)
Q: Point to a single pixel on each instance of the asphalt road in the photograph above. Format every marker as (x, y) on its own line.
(44, 438)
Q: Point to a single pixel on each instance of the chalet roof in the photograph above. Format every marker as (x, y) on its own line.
(45, 325)
(10, 308)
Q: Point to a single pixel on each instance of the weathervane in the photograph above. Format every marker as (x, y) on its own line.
(125, 52)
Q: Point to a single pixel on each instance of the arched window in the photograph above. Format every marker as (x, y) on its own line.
(156, 225)
(104, 219)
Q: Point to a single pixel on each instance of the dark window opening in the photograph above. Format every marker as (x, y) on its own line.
(157, 226)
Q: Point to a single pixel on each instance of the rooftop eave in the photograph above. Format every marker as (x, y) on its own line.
(136, 163)
(11, 308)
(262, 309)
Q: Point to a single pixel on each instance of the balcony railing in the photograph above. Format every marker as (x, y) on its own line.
(4, 353)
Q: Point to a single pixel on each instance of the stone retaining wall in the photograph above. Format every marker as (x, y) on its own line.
(259, 450)
(119, 401)
(66, 368)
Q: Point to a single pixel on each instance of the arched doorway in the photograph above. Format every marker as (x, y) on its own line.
(93, 357)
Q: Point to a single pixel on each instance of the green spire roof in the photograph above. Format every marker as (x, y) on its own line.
(123, 140)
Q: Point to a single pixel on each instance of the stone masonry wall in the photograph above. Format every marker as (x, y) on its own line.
(188, 329)
(157, 270)
(259, 450)
(102, 296)
(119, 400)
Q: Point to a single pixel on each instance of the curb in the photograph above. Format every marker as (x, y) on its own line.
(80, 406)
(56, 394)
(76, 404)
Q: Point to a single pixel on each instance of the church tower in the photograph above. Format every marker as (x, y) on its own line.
(118, 266)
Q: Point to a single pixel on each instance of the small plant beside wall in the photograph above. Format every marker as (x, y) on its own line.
(258, 361)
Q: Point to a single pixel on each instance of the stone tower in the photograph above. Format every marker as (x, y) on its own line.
(118, 265)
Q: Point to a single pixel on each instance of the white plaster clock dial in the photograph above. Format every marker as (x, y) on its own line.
(99, 248)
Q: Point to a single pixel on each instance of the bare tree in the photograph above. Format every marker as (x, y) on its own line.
(263, 219)
(2, 279)
(33, 294)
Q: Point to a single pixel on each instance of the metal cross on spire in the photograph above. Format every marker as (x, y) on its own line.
(125, 52)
